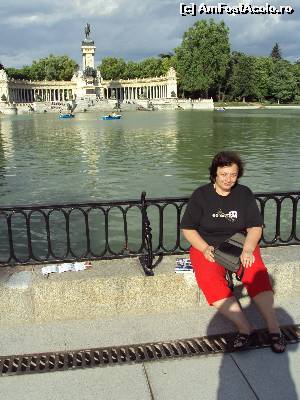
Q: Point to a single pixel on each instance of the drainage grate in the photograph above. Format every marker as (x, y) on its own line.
(137, 353)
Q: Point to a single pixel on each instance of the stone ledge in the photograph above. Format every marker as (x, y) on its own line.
(119, 287)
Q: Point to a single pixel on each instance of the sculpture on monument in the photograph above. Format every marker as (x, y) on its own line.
(87, 30)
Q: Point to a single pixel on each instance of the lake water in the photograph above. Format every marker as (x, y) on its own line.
(47, 160)
(44, 159)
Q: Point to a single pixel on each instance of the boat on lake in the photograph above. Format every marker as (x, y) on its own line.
(69, 115)
(108, 117)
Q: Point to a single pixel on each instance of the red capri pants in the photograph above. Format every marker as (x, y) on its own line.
(211, 278)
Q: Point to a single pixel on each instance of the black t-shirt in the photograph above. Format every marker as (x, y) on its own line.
(216, 217)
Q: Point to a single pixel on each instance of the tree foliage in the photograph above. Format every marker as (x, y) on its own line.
(151, 67)
(241, 83)
(204, 67)
(276, 52)
(112, 68)
(283, 84)
(19, 73)
(59, 68)
(263, 67)
(296, 73)
(132, 70)
(203, 57)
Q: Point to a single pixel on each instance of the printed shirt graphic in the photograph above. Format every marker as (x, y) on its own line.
(216, 217)
(230, 216)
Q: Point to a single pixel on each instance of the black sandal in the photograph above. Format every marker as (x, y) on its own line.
(277, 342)
(241, 341)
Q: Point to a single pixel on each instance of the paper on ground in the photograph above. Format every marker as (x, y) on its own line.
(65, 267)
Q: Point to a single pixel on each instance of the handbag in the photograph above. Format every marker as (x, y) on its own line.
(228, 255)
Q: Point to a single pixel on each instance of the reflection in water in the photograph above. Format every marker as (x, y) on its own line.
(267, 140)
(44, 159)
(7, 168)
(164, 153)
(6, 129)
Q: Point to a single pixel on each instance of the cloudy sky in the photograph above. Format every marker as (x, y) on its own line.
(132, 29)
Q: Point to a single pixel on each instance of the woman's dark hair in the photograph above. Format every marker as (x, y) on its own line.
(225, 159)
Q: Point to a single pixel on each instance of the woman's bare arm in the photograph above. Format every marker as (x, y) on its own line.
(193, 237)
(252, 238)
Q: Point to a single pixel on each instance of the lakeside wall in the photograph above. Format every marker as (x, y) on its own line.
(120, 288)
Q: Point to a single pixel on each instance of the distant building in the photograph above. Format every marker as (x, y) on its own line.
(87, 83)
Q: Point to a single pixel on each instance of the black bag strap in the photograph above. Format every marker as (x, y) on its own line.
(239, 277)
(229, 279)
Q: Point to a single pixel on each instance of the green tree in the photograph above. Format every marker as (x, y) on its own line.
(59, 68)
(66, 67)
(242, 79)
(132, 70)
(151, 67)
(203, 57)
(167, 63)
(168, 60)
(112, 68)
(19, 73)
(283, 84)
(296, 72)
(38, 70)
(276, 52)
(166, 55)
(263, 67)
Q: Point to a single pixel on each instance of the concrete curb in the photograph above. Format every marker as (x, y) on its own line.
(119, 287)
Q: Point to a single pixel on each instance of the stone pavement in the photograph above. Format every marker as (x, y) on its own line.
(253, 374)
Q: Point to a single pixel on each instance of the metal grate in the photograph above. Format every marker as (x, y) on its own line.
(136, 353)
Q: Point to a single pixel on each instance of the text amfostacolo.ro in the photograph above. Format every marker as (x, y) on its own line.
(223, 8)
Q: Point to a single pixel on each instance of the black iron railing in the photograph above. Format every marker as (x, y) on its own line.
(144, 228)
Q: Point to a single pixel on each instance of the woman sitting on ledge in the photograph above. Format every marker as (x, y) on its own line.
(214, 213)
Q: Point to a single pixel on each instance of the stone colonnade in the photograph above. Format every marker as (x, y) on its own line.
(121, 93)
(161, 87)
(136, 92)
(21, 95)
(20, 91)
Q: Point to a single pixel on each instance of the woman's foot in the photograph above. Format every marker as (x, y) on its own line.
(277, 342)
(242, 341)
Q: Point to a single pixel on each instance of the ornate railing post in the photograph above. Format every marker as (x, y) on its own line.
(147, 258)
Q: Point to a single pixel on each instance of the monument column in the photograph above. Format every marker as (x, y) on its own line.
(171, 83)
(89, 79)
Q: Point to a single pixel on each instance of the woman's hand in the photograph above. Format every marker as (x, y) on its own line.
(247, 258)
(252, 238)
(208, 253)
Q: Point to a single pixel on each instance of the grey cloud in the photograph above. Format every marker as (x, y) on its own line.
(131, 29)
